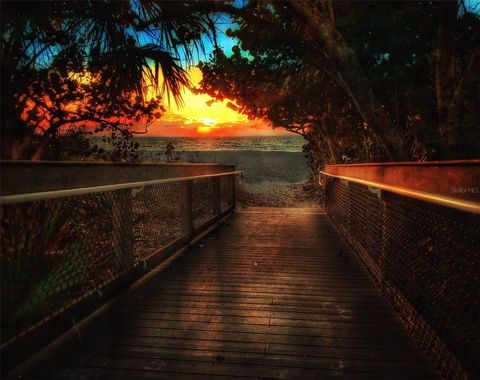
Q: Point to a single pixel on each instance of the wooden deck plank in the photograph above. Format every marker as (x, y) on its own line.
(255, 313)
(325, 308)
(184, 297)
(263, 369)
(359, 334)
(275, 294)
(380, 346)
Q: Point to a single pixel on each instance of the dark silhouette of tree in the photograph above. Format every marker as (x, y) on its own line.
(368, 69)
(457, 69)
(290, 96)
(361, 81)
(102, 64)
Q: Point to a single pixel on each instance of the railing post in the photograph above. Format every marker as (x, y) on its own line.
(216, 207)
(234, 191)
(122, 220)
(187, 208)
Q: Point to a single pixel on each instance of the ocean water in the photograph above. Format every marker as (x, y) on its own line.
(263, 160)
(153, 145)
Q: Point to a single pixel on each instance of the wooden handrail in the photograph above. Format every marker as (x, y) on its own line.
(459, 204)
(30, 197)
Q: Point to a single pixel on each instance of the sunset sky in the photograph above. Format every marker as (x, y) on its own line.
(196, 118)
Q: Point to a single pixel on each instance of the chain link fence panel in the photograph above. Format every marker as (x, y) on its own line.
(157, 216)
(426, 259)
(227, 192)
(56, 253)
(205, 197)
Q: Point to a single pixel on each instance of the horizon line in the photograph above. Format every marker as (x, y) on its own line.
(206, 136)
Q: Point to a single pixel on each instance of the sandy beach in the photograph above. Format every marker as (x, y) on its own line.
(275, 179)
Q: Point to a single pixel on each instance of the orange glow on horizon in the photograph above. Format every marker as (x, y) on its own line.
(204, 129)
(200, 116)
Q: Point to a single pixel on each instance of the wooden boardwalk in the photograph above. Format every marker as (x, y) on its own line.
(272, 294)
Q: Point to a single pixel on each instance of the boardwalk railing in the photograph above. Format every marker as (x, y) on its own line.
(66, 252)
(423, 250)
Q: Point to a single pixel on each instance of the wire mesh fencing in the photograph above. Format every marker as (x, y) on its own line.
(426, 259)
(205, 200)
(61, 252)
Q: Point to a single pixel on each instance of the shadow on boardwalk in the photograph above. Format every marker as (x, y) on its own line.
(273, 293)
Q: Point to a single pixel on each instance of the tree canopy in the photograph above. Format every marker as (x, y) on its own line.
(107, 65)
(362, 81)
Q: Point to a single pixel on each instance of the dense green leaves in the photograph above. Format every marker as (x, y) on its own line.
(362, 81)
(293, 69)
(103, 64)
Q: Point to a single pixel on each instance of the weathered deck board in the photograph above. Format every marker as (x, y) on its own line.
(273, 294)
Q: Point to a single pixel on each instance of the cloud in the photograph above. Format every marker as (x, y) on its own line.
(171, 117)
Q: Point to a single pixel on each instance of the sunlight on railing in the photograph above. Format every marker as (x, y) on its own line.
(424, 256)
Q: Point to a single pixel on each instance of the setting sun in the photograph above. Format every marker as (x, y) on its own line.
(204, 129)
